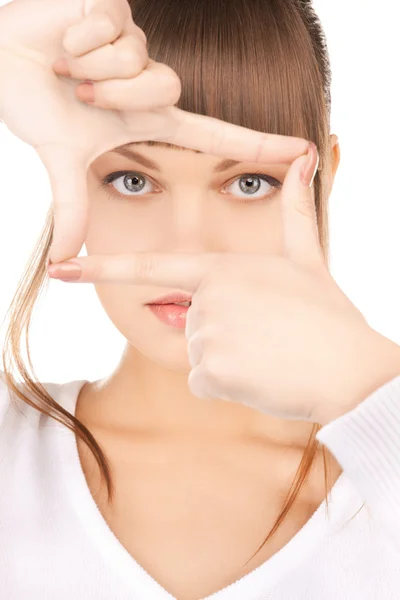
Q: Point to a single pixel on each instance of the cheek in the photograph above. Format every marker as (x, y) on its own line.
(116, 231)
(256, 228)
(119, 225)
(123, 305)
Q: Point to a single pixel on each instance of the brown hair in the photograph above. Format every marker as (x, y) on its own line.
(262, 64)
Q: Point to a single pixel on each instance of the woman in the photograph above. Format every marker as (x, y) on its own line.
(196, 503)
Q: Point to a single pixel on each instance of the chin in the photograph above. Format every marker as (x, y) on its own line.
(167, 349)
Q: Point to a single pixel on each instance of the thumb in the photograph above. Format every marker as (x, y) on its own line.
(68, 179)
(299, 215)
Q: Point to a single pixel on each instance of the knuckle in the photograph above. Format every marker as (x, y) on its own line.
(92, 26)
(78, 69)
(145, 267)
(70, 42)
(95, 270)
(129, 58)
(140, 33)
(143, 36)
(134, 62)
(212, 366)
(106, 25)
(133, 56)
(217, 137)
(105, 94)
(110, 94)
(195, 345)
(205, 336)
(306, 206)
(264, 141)
(172, 86)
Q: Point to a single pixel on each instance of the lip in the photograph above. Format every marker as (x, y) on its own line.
(172, 298)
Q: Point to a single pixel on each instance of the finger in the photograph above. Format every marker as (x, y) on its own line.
(299, 217)
(195, 347)
(104, 21)
(157, 86)
(125, 58)
(220, 138)
(182, 271)
(195, 318)
(70, 201)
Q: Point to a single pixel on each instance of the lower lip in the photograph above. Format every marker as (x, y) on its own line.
(171, 314)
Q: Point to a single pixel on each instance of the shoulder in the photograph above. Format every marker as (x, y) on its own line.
(15, 411)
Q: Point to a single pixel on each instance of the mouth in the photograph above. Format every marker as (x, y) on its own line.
(171, 312)
(178, 298)
(185, 304)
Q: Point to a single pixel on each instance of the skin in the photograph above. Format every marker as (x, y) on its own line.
(210, 475)
(207, 475)
(148, 389)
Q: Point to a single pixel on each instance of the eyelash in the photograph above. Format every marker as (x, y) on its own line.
(105, 183)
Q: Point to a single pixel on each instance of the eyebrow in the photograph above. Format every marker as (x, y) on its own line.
(127, 151)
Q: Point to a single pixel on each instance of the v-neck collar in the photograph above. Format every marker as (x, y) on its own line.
(251, 586)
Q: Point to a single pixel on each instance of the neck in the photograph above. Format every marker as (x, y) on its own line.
(143, 395)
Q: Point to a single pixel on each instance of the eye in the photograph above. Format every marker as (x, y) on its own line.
(251, 183)
(136, 184)
(133, 182)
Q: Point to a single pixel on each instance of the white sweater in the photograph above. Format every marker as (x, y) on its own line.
(55, 545)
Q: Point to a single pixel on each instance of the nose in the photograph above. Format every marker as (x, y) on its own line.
(188, 221)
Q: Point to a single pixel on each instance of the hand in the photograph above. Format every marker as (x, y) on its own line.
(134, 101)
(275, 333)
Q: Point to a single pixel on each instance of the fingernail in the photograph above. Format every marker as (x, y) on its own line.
(310, 168)
(66, 271)
(85, 92)
(61, 66)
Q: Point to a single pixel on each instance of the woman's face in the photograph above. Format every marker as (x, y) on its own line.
(175, 200)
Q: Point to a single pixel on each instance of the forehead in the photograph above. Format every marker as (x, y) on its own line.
(168, 146)
(129, 151)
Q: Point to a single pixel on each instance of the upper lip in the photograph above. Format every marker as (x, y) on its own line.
(172, 298)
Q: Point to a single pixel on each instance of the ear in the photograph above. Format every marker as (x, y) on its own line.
(335, 153)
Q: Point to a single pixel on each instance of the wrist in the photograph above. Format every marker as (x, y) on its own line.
(377, 364)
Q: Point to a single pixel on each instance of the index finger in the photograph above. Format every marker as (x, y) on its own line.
(102, 23)
(182, 270)
(213, 136)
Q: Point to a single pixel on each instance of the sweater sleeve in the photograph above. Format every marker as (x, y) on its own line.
(366, 444)
(4, 401)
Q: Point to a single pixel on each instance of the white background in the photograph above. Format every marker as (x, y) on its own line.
(72, 337)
